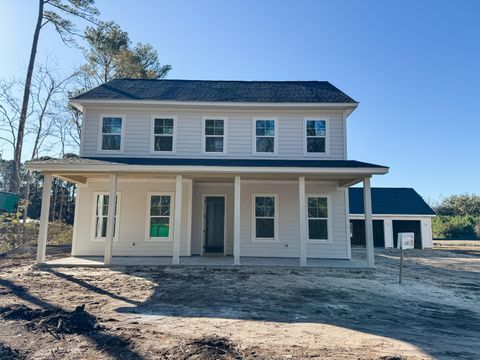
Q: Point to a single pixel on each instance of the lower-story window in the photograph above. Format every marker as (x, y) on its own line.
(101, 215)
(159, 216)
(265, 217)
(318, 217)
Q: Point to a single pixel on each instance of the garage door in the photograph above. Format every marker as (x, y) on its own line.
(358, 233)
(407, 226)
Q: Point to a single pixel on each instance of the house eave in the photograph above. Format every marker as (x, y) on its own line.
(38, 166)
(80, 103)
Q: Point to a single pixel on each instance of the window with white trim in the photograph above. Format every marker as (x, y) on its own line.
(214, 131)
(317, 218)
(101, 215)
(159, 219)
(265, 133)
(163, 134)
(265, 209)
(111, 133)
(316, 136)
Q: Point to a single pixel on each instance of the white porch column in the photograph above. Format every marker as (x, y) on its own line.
(236, 222)
(112, 195)
(44, 215)
(177, 230)
(303, 221)
(367, 205)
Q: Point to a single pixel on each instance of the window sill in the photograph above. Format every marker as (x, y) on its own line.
(165, 240)
(214, 153)
(319, 241)
(265, 240)
(319, 154)
(153, 152)
(269, 154)
(102, 239)
(110, 151)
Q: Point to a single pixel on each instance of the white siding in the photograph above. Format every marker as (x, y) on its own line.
(133, 217)
(288, 244)
(340, 242)
(239, 143)
(132, 224)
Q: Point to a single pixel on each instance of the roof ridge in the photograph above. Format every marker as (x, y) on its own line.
(245, 81)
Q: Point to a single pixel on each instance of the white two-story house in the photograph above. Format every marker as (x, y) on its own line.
(180, 168)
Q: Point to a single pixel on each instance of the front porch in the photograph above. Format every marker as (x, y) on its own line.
(204, 261)
(128, 241)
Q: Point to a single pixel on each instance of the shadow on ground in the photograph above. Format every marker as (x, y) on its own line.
(436, 309)
(370, 302)
(117, 347)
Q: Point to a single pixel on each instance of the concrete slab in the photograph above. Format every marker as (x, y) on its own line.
(201, 261)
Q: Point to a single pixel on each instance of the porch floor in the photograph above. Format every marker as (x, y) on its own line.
(210, 261)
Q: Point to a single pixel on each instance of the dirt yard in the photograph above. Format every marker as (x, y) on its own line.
(249, 313)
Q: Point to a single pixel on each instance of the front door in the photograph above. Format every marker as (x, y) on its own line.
(214, 224)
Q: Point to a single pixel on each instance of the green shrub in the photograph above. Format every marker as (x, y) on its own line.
(456, 227)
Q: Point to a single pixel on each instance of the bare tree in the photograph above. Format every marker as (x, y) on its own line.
(10, 111)
(46, 106)
(57, 13)
(48, 92)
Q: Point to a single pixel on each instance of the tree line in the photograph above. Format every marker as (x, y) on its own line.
(458, 217)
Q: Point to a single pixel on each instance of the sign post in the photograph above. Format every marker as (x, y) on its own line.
(405, 241)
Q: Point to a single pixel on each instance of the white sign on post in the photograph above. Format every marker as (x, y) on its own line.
(406, 241)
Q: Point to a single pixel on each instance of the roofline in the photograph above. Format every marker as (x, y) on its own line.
(78, 103)
(102, 168)
(225, 80)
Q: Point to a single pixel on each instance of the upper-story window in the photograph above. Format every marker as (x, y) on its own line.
(112, 133)
(214, 130)
(265, 134)
(315, 136)
(163, 134)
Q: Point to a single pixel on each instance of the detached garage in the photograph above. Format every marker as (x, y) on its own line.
(394, 210)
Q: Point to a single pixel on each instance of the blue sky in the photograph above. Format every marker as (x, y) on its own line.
(412, 65)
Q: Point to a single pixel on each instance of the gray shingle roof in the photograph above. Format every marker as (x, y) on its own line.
(395, 201)
(208, 162)
(218, 91)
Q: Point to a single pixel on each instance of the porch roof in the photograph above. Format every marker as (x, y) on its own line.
(78, 169)
(102, 161)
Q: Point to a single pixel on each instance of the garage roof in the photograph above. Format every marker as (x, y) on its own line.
(390, 201)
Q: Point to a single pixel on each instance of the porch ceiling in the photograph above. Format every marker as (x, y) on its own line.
(82, 178)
